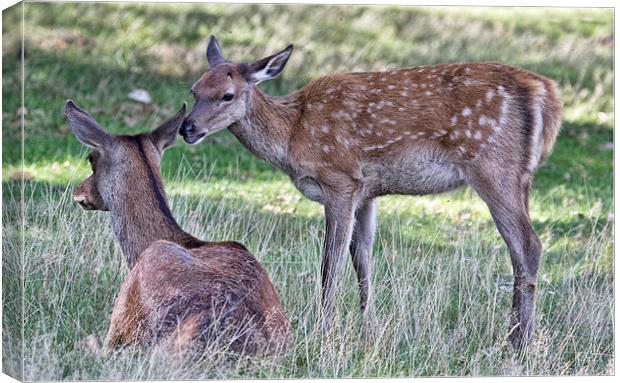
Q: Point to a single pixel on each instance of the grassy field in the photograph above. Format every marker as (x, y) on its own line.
(442, 273)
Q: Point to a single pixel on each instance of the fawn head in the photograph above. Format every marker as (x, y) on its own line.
(222, 94)
(116, 161)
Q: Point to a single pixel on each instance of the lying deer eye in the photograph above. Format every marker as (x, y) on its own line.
(228, 97)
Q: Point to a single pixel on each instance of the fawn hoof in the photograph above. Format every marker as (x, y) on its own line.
(91, 345)
(370, 324)
(520, 337)
(326, 326)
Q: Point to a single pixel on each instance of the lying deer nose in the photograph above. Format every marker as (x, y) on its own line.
(187, 127)
(80, 199)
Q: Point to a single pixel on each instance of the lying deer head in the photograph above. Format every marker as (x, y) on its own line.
(222, 93)
(113, 159)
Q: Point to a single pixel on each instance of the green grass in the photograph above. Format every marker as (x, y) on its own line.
(441, 271)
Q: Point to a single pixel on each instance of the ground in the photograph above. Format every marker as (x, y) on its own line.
(441, 271)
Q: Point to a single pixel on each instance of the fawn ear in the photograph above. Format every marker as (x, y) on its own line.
(214, 52)
(270, 67)
(166, 134)
(86, 129)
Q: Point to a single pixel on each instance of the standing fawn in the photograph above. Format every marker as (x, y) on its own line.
(180, 291)
(346, 139)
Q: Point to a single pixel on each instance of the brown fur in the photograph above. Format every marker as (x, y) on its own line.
(345, 139)
(181, 291)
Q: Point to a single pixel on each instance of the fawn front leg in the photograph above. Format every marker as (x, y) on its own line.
(339, 211)
(361, 255)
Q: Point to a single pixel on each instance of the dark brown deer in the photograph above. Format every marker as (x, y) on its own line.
(180, 291)
(346, 139)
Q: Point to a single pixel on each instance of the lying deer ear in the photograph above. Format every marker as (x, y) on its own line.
(214, 52)
(270, 67)
(166, 134)
(86, 129)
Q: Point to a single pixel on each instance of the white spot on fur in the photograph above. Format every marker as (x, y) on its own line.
(470, 82)
(453, 121)
(503, 117)
(388, 121)
(489, 95)
(466, 112)
(502, 91)
(537, 134)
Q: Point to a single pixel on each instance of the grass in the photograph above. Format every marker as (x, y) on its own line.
(442, 273)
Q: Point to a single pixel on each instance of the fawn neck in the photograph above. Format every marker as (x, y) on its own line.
(141, 215)
(267, 126)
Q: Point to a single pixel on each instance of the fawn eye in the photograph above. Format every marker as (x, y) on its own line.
(228, 97)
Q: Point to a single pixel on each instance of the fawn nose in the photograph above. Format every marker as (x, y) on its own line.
(187, 127)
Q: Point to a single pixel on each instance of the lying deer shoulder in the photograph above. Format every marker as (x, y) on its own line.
(346, 139)
(180, 291)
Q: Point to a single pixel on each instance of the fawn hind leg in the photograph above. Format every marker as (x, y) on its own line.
(507, 200)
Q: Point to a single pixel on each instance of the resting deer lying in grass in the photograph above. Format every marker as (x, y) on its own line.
(346, 139)
(179, 289)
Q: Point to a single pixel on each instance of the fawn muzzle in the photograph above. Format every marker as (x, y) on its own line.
(188, 131)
